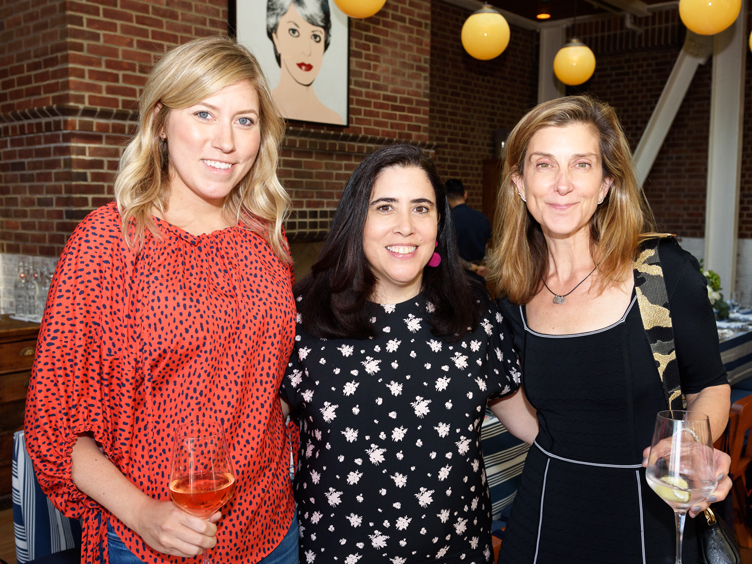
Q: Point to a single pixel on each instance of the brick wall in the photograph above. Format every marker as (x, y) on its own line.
(69, 79)
(70, 74)
(470, 98)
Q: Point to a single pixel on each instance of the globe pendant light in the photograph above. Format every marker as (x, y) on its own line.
(359, 8)
(750, 41)
(708, 17)
(574, 63)
(485, 34)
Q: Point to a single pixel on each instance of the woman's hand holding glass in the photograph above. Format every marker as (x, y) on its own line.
(681, 464)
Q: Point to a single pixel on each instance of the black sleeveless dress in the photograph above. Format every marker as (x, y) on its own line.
(583, 496)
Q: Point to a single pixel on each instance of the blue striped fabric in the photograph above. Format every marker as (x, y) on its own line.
(504, 456)
(40, 529)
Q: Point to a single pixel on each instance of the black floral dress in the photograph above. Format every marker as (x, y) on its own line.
(390, 466)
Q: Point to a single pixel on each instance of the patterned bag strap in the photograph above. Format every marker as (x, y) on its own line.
(652, 298)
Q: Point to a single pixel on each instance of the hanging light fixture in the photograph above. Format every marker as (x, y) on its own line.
(359, 8)
(708, 17)
(485, 34)
(750, 41)
(544, 10)
(575, 62)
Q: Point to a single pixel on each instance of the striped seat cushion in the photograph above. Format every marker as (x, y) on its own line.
(504, 456)
(39, 527)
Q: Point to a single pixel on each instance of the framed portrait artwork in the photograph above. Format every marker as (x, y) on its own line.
(303, 49)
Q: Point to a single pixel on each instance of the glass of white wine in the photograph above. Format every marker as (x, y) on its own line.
(681, 464)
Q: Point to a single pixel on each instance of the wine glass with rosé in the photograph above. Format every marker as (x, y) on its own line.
(201, 479)
(681, 464)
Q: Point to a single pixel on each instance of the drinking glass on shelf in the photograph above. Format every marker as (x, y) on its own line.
(201, 478)
(735, 303)
(681, 464)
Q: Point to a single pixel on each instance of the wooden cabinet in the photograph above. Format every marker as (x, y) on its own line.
(18, 340)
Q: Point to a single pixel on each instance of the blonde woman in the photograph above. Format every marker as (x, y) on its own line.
(571, 219)
(174, 301)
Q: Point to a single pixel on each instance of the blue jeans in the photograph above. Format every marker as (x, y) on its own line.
(285, 553)
(287, 550)
(119, 553)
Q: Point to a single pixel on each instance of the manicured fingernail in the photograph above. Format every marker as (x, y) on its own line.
(696, 509)
(645, 460)
(720, 477)
(712, 499)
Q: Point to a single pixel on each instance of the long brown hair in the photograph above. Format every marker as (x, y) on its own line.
(520, 256)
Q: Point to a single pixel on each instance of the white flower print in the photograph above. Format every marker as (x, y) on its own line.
(476, 465)
(387, 329)
(444, 473)
(487, 326)
(442, 552)
(425, 497)
(379, 401)
(389, 308)
(376, 454)
(399, 455)
(392, 345)
(448, 404)
(395, 388)
(382, 491)
(420, 405)
(403, 522)
(350, 388)
(308, 396)
(377, 348)
(316, 517)
(309, 450)
(443, 515)
(442, 383)
(400, 480)
(386, 524)
(435, 345)
(353, 478)
(395, 365)
(393, 414)
(296, 378)
(333, 497)
(351, 435)
(516, 376)
(475, 346)
(460, 360)
(398, 560)
(499, 317)
(315, 477)
(303, 353)
(427, 366)
(474, 503)
(506, 390)
(487, 553)
(328, 412)
(358, 461)
(310, 557)
(378, 540)
(430, 308)
(412, 354)
(413, 323)
(346, 350)
(353, 558)
(474, 542)
(481, 383)
(355, 520)
(460, 526)
(371, 365)
(419, 443)
(322, 360)
(499, 354)
(442, 429)
(463, 445)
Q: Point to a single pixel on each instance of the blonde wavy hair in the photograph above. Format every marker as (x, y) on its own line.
(519, 260)
(183, 77)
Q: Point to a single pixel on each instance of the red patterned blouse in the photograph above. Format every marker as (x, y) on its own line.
(132, 343)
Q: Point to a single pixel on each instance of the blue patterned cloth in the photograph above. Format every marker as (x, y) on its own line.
(40, 529)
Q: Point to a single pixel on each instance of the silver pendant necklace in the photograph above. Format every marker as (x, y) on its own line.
(559, 299)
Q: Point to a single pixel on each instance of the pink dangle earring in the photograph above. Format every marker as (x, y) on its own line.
(435, 258)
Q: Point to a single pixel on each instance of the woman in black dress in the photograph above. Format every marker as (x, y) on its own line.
(395, 359)
(571, 220)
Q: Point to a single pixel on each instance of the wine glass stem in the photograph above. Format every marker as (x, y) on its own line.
(206, 556)
(680, 517)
